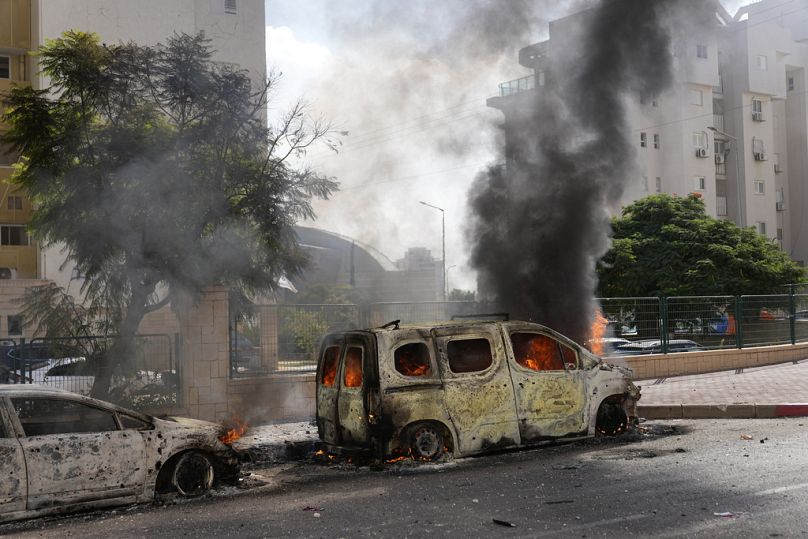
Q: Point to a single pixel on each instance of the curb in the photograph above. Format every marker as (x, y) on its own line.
(722, 411)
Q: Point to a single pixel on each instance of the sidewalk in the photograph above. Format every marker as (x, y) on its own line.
(760, 392)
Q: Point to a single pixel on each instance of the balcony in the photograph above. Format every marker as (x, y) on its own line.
(513, 87)
(718, 121)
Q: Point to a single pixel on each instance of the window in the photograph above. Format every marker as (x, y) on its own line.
(129, 422)
(658, 184)
(776, 159)
(540, 78)
(13, 235)
(790, 84)
(701, 51)
(330, 362)
(721, 206)
(643, 140)
(758, 149)
(14, 203)
(762, 62)
(759, 187)
(656, 141)
(761, 226)
(40, 417)
(469, 355)
(537, 352)
(14, 324)
(696, 98)
(353, 367)
(757, 110)
(700, 140)
(646, 99)
(645, 183)
(413, 359)
(5, 67)
(700, 183)
(779, 234)
(230, 7)
(7, 155)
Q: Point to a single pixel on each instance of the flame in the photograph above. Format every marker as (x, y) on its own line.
(538, 353)
(353, 368)
(236, 428)
(597, 331)
(412, 366)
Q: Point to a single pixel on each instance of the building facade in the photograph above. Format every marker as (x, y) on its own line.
(732, 128)
(236, 29)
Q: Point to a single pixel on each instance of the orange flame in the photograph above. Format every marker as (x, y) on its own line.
(235, 430)
(353, 368)
(597, 331)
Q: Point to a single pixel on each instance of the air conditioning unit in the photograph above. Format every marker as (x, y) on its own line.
(757, 116)
(780, 206)
(6, 273)
(778, 167)
(719, 159)
(760, 156)
(701, 152)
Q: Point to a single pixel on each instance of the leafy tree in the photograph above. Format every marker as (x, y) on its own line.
(668, 246)
(461, 295)
(155, 168)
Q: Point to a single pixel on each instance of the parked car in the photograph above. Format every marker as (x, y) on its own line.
(654, 346)
(64, 452)
(607, 345)
(463, 388)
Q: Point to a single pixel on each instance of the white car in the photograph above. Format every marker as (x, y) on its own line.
(63, 452)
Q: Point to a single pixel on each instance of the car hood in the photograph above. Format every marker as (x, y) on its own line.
(189, 423)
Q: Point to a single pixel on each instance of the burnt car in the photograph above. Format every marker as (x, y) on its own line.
(63, 452)
(461, 388)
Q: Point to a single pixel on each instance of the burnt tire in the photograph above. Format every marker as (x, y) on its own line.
(192, 474)
(426, 441)
(612, 419)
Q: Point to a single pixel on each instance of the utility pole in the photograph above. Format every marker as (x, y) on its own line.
(443, 241)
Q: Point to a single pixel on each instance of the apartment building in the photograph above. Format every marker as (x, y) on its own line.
(236, 29)
(733, 127)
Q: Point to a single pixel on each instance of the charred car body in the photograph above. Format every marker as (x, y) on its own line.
(463, 388)
(62, 452)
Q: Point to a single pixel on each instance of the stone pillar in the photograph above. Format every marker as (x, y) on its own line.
(204, 359)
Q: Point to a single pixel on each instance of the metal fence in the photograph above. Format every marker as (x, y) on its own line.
(148, 378)
(285, 338)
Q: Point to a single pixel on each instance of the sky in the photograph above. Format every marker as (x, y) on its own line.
(408, 83)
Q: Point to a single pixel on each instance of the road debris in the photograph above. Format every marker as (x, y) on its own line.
(555, 502)
(726, 514)
(311, 508)
(746, 437)
(504, 523)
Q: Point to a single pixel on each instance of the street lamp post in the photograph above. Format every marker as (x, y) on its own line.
(447, 277)
(443, 240)
(741, 220)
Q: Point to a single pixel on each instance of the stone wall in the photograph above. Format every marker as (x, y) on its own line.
(665, 365)
(209, 393)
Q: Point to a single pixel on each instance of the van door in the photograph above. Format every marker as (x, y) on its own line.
(478, 393)
(354, 389)
(550, 388)
(328, 388)
(347, 390)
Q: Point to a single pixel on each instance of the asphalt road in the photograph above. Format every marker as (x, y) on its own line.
(696, 478)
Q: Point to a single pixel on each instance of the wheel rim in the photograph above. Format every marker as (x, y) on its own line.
(193, 475)
(427, 443)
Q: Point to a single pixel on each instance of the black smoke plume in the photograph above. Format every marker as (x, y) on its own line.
(541, 222)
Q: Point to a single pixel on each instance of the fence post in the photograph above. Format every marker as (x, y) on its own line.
(792, 315)
(23, 355)
(739, 321)
(663, 311)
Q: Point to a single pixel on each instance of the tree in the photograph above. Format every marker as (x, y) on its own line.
(155, 168)
(668, 246)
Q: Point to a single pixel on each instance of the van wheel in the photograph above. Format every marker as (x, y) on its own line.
(426, 442)
(612, 419)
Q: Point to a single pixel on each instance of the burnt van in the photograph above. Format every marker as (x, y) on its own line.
(464, 388)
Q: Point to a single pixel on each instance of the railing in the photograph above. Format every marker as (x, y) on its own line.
(513, 87)
(149, 378)
(285, 339)
(718, 121)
